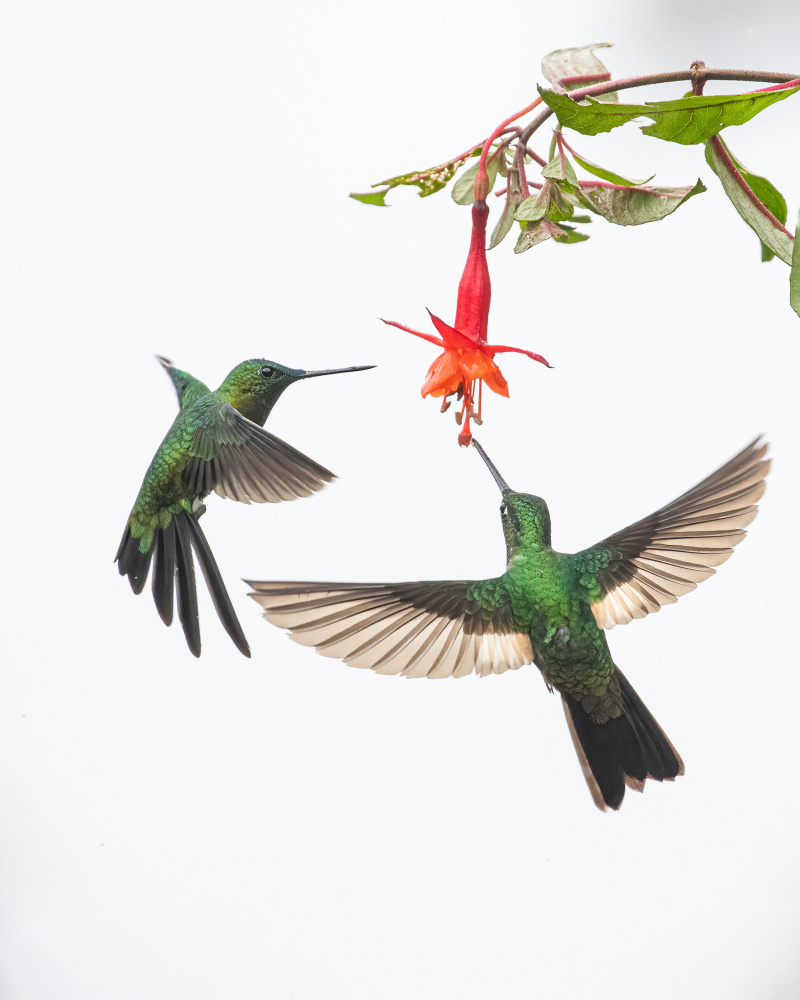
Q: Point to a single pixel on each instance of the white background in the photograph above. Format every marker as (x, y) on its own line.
(174, 180)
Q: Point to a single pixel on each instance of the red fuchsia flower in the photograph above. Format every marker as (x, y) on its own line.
(467, 358)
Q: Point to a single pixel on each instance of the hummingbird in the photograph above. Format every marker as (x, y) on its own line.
(549, 608)
(216, 442)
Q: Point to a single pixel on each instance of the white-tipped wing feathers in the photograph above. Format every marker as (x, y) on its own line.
(432, 629)
(665, 555)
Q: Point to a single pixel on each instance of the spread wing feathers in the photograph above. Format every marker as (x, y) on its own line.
(240, 460)
(660, 558)
(431, 629)
(173, 572)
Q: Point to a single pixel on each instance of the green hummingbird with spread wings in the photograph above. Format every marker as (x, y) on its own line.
(217, 442)
(549, 608)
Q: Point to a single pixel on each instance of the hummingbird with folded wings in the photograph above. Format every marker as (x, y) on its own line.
(549, 608)
(217, 442)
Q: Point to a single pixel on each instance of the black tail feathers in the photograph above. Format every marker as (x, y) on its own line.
(173, 573)
(623, 751)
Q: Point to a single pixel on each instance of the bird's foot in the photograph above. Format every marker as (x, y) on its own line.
(563, 640)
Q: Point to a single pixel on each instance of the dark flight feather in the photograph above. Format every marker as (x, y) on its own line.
(215, 584)
(240, 460)
(133, 563)
(164, 571)
(623, 751)
(185, 582)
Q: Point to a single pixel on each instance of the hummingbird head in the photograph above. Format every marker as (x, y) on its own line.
(254, 386)
(525, 518)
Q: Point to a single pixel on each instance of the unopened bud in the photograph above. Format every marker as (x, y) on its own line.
(481, 185)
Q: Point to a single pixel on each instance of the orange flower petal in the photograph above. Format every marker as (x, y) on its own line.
(444, 375)
(495, 380)
(475, 364)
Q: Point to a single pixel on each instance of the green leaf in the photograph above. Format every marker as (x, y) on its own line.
(746, 201)
(537, 232)
(534, 207)
(794, 274)
(372, 198)
(559, 168)
(766, 193)
(463, 193)
(560, 208)
(504, 223)
(608, 175)
(589, 116)
(428, 181)
(636, 206)
(564, 63)
(688, 120)
(570, 235)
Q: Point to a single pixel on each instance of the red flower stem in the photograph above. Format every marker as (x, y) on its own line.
(481, 187)
(533, 184)
(723, 154)
(561, 154)
(750, 76)
(462, 156)
(567, 145)
(567, 81)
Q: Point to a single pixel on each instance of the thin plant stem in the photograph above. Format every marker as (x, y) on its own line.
(481, 187)
(750, 76)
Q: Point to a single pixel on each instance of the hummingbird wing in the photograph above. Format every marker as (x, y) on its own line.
(238, 459)
(187, 386)
(432, 629)
(658, 559)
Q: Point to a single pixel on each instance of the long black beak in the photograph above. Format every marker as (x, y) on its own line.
(490, 465)
(337, 371)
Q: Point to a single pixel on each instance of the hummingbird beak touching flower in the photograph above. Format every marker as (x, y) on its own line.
(467, 358)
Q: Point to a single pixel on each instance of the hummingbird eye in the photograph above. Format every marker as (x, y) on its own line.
(265, 371)
(502, 508)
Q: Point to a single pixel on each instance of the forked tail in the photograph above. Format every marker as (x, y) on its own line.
(173, 574)
(623, 751)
